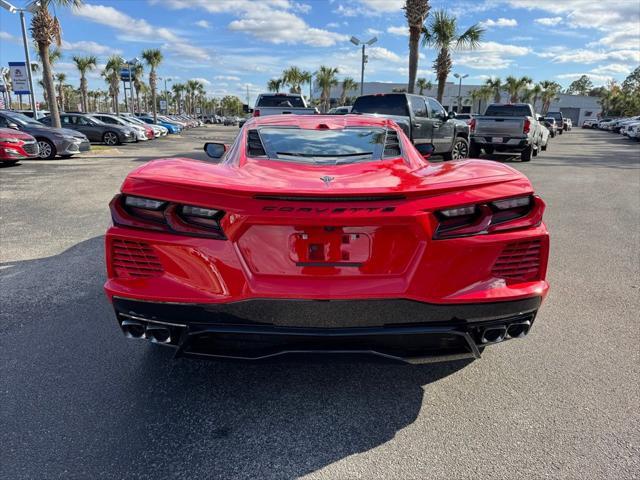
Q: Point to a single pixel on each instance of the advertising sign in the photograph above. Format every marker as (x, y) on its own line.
(163, 105)
(19, 78)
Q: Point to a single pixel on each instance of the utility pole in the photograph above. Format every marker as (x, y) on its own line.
(356, 41)
(457, 75)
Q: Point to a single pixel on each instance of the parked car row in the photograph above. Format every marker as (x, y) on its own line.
(627, 126)
(79, 130)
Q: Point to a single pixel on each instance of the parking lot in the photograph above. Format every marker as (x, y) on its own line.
(78, 400)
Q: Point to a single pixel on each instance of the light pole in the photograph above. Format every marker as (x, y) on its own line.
(166, 92)
(31, 9)
(134, 61)
(357, 42)
(460, 77)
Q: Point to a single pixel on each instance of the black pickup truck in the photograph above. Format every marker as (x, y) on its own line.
(423, 119)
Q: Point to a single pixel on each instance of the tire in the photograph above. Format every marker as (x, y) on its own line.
(459, 150)
(489, 150)
(560, 132)
(111, 139)
(535, 151)
(544, 147)
(47, 149)
(525, 156)
(474, 150)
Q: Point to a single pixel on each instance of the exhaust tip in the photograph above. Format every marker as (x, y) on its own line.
(518, 330)
(158, 334)
(132, 329)
(494, 334)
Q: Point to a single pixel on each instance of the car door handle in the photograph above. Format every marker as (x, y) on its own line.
(416, 124)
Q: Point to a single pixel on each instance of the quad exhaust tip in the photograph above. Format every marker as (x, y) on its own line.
(518, 329)
(132, 329)
(158, 334)
(155, 333)
(494, 334)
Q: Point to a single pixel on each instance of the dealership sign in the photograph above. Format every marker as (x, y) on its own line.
(19, 78)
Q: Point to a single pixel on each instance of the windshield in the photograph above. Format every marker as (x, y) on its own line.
(508, 111)
(383, 104)
(555, 115)
(21, 119)
(280, 101)
(342, 146)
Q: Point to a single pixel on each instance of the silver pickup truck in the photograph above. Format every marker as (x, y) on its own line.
(507, 128)
(281, 103)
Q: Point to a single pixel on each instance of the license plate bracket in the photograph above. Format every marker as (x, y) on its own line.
(329, 246)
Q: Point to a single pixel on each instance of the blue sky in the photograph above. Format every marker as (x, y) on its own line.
(234, 44)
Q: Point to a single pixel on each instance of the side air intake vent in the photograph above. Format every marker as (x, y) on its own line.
(254, 144)
(392, 144)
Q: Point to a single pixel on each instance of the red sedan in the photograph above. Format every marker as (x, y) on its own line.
(326, 234)
(16, 145)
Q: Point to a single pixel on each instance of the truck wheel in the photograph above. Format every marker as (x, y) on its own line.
(535, 150)
(544, 147)
(525, 156)
(459, 150)
(560, 131)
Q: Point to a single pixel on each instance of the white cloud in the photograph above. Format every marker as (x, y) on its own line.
(575, 76)
(548, 21)
(584, 56)
(612, 68)
(9, 38)
(491, 56)
(401, 30)
(227, 77)
(373, 31)
(500, 22)
(202, 24)
(89, 47)
(284, 27)
(332, 25)
(202, 80)
(369, 8)
(134, 29)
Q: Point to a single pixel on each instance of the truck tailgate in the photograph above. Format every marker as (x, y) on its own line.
(499, 126)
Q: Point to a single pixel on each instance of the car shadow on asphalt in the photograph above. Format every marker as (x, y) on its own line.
(81, 400)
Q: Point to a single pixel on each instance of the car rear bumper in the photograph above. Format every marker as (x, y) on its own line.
(406, 330)
(506, 144)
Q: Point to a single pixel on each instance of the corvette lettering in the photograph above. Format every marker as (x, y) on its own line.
(321, 210)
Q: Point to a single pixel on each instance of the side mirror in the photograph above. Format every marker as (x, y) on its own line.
(425, 149)
(12, 125)
(215, 150)
(452, 115)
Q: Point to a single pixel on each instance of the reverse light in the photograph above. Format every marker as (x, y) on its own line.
(192, 211)
(146, 203)
(458, 212)
(512, 203)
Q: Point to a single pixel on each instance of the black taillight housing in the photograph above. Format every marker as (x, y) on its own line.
(150, 214)
(490, 217)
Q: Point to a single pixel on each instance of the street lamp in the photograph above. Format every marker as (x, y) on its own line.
(134, 61)
(31, 9)
(457, 75)
(166, 92)
(357, 42)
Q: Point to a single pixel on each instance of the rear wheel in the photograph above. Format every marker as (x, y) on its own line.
(536, 150)
(560, 131)
(525, 156)
(47, 149)
(544, 147)
(110, 138)
(459, 150)
(474, 150)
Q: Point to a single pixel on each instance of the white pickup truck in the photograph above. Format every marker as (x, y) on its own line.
(281, 103)
(507, 128)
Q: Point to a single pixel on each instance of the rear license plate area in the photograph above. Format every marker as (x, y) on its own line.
(497, 139)
(329, 246)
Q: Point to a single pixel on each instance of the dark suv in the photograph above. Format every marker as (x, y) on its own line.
(94, 129)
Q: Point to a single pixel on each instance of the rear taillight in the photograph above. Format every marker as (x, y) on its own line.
(472, 125)
(527, 126)
(490, 217)
(150, 214)
(256, 113)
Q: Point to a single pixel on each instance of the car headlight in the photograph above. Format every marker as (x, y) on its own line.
(9, 140)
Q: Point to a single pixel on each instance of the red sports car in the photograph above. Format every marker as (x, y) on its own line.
(16, 145)
(326, 234)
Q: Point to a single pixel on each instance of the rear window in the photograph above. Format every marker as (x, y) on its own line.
(280, 101)
(320, 147)
(382, 104)
(556, 115)
(508, 111)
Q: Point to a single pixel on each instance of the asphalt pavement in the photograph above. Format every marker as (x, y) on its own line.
(78, 400)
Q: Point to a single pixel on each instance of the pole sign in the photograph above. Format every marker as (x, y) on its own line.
(19, 78)
(124, 74)
(163, 105)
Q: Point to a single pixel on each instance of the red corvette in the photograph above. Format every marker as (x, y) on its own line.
(326, 234)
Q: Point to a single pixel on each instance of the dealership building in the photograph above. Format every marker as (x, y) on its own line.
(575, 107)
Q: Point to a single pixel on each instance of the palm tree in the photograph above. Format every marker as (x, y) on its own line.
(60, 78)
(442, 33)
(424, 84)
(292, 76)
(494, 85)
(307, 77)
(416, 12)
(193, 86)
(326, 78)
(137, 71)
(274, 85)
(46, 29)
(111, 74)
(178, 89)
(535, 92)
(514, 85)
(84, 64)
(6, 79)
(549, 93)
(153, 57)
(348, 84)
